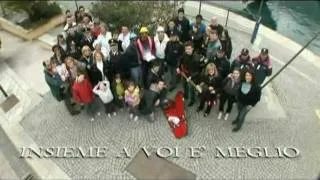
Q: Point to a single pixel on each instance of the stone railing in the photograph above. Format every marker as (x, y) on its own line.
(32, 34)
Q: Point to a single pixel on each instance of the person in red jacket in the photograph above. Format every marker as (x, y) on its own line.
(83, 94)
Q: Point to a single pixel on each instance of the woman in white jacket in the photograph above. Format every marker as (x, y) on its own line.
(160, 40)
(103, 90)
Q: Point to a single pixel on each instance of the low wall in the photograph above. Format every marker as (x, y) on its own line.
(33, 34)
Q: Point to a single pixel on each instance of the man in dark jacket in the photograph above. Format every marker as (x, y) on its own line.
(190, 65)
(87, 39)
(131, 58)
(154, 74)
(243, 62)
(262, 66)
(117, 65)
(173, 53)
(152, 98)
(183, 26)
(222, 63)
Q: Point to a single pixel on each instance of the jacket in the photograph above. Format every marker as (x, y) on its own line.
(252, 97)
(261, 69)
(160, 46)
(227, 46)
(54, 82)
(105, 96)
(132, 98)
(131, 56)
(223, 65)
(242, 64)
(82, 92)
(149, 98)
(208, 80)
(96, 75)
(191, 65)
(183, 28)
(228, 88)
(173, 52)
(147, 44)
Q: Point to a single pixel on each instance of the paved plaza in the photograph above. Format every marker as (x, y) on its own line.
(285, 117)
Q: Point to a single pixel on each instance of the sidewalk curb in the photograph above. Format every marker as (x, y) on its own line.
(10, 122)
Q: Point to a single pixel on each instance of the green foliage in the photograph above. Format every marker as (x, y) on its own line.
(133, 13)
(36, 10)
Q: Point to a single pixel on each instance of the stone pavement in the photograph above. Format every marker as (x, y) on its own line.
(284, 118)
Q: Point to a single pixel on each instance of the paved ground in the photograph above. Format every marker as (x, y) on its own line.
(292, 123)
(57, 128)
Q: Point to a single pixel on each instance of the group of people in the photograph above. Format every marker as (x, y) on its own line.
(136, 71)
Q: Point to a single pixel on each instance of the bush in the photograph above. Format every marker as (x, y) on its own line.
(132, 13)
(36, 10)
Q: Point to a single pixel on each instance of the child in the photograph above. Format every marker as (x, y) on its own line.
(102, 89)
(119, 90)
(132, 98)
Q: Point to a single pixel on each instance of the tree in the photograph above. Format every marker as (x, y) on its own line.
(133, 13)
(35, 9)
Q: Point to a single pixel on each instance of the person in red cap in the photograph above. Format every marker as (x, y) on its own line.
(262, 66)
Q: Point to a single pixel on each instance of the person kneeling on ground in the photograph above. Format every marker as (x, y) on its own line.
(152, 97)
(103, 90)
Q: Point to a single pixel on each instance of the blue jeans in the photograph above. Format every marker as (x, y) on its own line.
(136, 75)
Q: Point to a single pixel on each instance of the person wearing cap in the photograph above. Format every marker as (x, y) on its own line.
(183, 26)
(243, 61)
(117, 65)
(222, 63)
(197, 33)
(173, 52)
(262, 66)
(215, 26)
(160, 40)
(147, 50)
(189, 64)
(226, 43)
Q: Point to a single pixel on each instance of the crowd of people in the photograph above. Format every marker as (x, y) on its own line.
(136, 71)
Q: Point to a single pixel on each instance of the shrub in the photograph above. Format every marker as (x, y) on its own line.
(36, 10)
(132, 13)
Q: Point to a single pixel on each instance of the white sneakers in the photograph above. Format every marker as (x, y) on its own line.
(131, 116)
(225, 117)
(92, 119)
(220, 115)
(136, 118)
